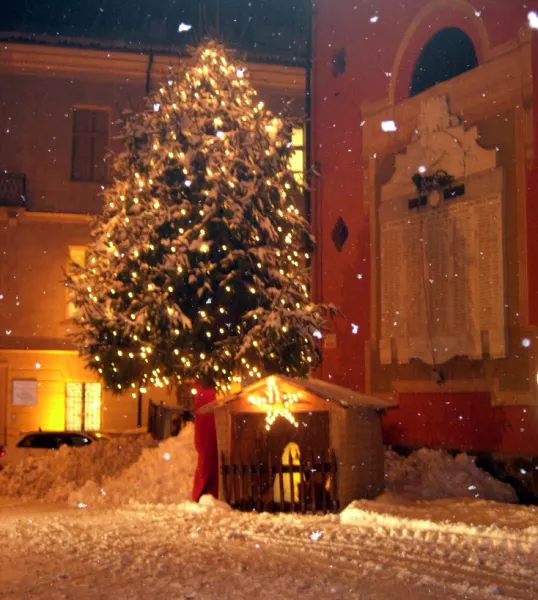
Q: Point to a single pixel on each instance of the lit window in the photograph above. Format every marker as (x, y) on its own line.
(77, 255)
(92, 406)
(82, 406)
(90, 141)
(297, 157)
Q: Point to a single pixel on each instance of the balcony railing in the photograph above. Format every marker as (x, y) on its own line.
(12, 189)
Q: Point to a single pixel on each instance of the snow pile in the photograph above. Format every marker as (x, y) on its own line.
(442, 533)
(430, 474)
(162, 475)
(55, 474)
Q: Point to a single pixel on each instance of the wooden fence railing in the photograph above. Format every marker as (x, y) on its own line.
(293, 485)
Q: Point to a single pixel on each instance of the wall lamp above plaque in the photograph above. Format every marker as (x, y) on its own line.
(433, 188)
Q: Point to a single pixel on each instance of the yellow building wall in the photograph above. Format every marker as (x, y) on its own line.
(40, 87)
(52, 370)
(35, 253)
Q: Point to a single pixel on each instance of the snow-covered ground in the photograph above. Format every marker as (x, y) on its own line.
(193, 551)
(134, 469)
(129, 532)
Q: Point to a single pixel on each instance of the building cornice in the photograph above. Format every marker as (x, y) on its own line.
(57, 217)
(15, 215)
(24, 58)
(15, 344)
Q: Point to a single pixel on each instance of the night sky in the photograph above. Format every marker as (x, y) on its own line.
(273, 27)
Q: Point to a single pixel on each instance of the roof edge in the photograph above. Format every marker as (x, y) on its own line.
(178, 50)
(345, 397)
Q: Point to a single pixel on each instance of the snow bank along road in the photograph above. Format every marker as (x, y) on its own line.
(193, 551)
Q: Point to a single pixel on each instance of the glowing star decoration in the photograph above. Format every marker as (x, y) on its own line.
(275, 404)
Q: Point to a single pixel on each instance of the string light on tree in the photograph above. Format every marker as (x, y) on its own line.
(198, 260)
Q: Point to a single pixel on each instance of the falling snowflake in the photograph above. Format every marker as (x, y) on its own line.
(316, 535)
(532, 18)
(389, 126)
(525, 342)
(354, 329)
(374, 19)
(184, 27)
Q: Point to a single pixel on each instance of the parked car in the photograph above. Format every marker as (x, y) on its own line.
(37, 443)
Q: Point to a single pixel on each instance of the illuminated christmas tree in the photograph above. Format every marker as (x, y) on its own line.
(196, 271)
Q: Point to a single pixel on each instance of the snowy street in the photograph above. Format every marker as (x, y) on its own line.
(105, 523)
(192, 551)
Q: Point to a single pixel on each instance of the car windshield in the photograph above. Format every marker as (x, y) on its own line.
(40, 441)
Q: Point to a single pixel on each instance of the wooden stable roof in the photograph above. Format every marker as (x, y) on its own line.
(322, 389)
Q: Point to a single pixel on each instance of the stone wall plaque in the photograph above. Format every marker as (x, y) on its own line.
(442, 276)
(441, 257)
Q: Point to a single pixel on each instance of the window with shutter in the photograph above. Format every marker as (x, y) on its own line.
(90, 141)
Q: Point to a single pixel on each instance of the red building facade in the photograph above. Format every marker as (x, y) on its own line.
(366, 69)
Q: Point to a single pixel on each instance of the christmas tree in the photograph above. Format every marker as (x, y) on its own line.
(197, 266)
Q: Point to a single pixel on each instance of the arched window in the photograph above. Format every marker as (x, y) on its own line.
(449, 53)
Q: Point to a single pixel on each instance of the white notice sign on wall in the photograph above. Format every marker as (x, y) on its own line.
(24, 392)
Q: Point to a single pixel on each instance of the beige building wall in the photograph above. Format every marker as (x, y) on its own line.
(41, 85)
(358, 445)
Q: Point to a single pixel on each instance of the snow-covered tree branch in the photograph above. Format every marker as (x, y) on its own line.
(197, 265)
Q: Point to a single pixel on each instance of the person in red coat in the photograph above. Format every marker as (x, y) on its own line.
(206, 478)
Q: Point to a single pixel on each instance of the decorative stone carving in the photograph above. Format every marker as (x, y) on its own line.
(440, 142)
